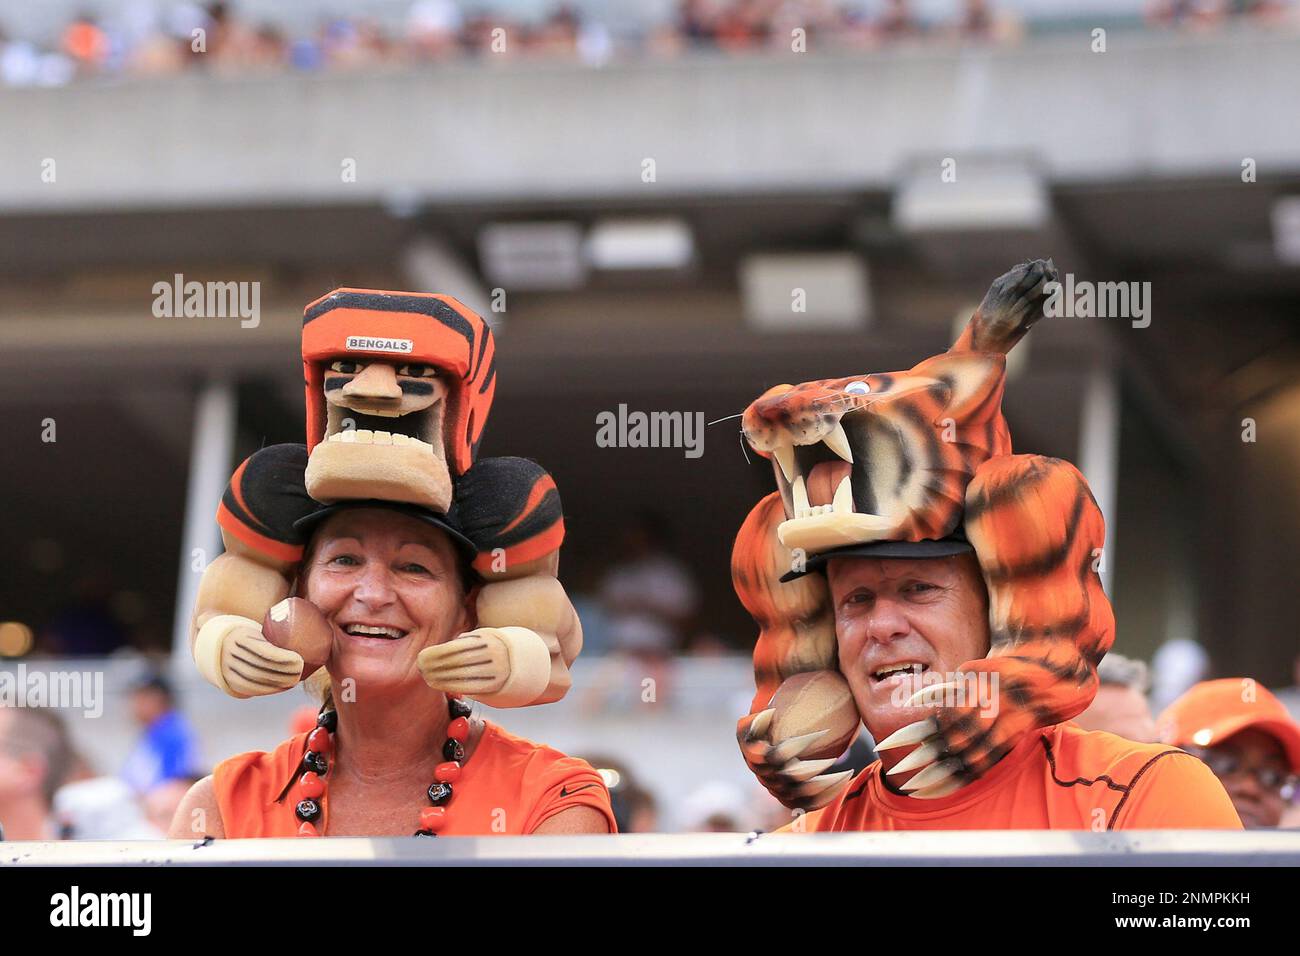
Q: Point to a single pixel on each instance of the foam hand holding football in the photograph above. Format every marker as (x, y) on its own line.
(263, 499)
(528, 633)
(812, 720)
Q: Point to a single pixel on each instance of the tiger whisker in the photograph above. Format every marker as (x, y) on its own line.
(728, 418)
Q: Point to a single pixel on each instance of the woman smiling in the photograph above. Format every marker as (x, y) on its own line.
(389, 755)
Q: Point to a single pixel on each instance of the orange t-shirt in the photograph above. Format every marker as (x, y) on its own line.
(509, 786)
(1057, 778)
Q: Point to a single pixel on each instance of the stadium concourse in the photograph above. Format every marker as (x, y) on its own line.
(631, 194)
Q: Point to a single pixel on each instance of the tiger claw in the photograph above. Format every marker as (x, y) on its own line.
(789, 749)
(931, 696)
(758, 726)
(803, 770)
(819, 784)
(821, 790)
(938, 790)
(922, 755)
(911, 734)
(931, 776)
(755, 751)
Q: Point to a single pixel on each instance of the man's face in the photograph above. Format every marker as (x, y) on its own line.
(1122, 711)
(1252, 767)
(892, 613)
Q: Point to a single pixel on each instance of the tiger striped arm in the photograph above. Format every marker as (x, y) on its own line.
(796, 635)
(1038, 534)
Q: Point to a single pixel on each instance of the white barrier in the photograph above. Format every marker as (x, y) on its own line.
(1188, 848)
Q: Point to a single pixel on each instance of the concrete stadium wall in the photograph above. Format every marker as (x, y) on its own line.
(1151, 106)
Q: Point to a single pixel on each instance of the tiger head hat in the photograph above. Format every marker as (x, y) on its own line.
(922, 457)
(398, 388)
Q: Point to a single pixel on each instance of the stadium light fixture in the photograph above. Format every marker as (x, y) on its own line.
(639, 244)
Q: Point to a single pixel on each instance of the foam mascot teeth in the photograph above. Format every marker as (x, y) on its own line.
(398, 388)
(917, 455)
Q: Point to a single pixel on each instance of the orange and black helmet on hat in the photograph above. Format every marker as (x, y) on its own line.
(1214, 710)
(431, 329)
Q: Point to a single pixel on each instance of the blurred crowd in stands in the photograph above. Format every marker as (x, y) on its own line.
(140, 38)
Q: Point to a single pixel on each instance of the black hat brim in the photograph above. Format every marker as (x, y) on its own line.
(308, 524)
(942, 548)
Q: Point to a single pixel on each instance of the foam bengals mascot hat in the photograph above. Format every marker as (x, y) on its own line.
(918, 463)
(509, 507)
(407, 327)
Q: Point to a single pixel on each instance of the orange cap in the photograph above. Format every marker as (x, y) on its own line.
(1213, 710)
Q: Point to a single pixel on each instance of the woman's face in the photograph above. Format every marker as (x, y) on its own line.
(389, 585)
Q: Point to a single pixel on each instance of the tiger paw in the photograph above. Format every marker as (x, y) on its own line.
(956, 744)
(1016, 299)
(811, 721)
(499, 666)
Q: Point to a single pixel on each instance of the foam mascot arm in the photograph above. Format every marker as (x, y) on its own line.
(528, 633)
(240, 587)
(803, 716)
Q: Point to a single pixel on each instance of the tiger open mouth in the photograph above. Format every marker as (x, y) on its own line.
(830, 485)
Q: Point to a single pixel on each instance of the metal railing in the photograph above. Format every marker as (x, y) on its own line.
(933, 848)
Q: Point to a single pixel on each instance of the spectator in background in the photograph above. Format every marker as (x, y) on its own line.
(1120, 706)
(634, 807)
(648, 593)
(980, 23)
(1246, 737)
(85, 43)
(35, 757)
(897, 22)
(433, 28)
(1199, 13)
(697, 22)
(716, 807)
(167, 748)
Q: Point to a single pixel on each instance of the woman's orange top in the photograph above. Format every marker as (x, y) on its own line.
(508, 786)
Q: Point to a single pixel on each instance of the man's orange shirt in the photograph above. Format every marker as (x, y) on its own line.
(509, 785)
(1057, 778)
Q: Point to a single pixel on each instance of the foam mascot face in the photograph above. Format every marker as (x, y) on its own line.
(880, 457)
(399, 386)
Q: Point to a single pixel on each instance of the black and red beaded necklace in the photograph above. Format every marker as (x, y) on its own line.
(310, 790)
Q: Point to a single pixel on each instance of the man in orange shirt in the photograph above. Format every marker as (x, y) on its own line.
(928, 616)
(913, 574)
